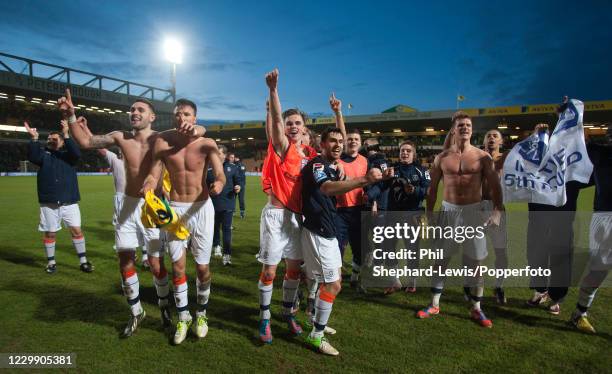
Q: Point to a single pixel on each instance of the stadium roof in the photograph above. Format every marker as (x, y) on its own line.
(511, 118)
(26, 77)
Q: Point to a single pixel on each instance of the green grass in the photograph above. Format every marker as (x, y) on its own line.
(83, 313)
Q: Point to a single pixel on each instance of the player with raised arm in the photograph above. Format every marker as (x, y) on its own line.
(463, 168)
(58, 191)
(280, 218)
(115, 162)
(136, 145)
(321, 183)
(351, 204)
(187, 157)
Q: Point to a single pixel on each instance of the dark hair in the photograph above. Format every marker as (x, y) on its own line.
(231, 154)
(185, 102)
(353, 131)
(499, 132)
(293, 111)
(143, 100)
(329, 130)
(57, 133)
(459, 115)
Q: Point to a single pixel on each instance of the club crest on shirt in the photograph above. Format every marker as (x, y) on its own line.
(318, 171)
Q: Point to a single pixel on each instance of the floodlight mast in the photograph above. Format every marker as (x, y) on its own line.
(174, 54)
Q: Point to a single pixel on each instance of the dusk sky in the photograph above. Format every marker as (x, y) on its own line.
(374, 55)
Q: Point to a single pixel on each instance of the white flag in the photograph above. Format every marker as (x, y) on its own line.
(538, 167)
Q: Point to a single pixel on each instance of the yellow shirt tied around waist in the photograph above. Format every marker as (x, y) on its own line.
(157, 213)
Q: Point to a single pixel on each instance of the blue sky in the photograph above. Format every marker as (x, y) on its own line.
(372, 54)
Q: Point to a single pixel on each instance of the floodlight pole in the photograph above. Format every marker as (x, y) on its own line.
(173, 82)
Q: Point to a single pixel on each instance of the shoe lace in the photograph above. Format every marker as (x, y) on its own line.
(202, 321)
(182, 325)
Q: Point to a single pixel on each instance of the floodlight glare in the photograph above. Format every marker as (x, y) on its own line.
(173, 51)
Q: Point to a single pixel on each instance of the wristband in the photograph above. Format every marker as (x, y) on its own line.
(72, 119)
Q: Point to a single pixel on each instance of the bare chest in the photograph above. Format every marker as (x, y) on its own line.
(190, 158)
(461, 165)
(137, 155)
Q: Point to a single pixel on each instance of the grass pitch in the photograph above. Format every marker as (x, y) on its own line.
(75, 312)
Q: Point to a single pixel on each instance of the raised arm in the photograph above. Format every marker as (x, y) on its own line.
(432, 192)
(277, 133)
(73, 153)
(35, 153)
(336, 106)
(84, 138)
(268, 121)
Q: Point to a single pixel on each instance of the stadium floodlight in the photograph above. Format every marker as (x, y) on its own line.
(173, 50)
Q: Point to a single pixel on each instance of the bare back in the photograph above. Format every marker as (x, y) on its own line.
(137, 153)
(463, 174)
(186, 160)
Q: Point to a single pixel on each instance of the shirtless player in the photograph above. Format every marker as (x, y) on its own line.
(136, 146)
(463, 168)
(493, 140)
(187, 157)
